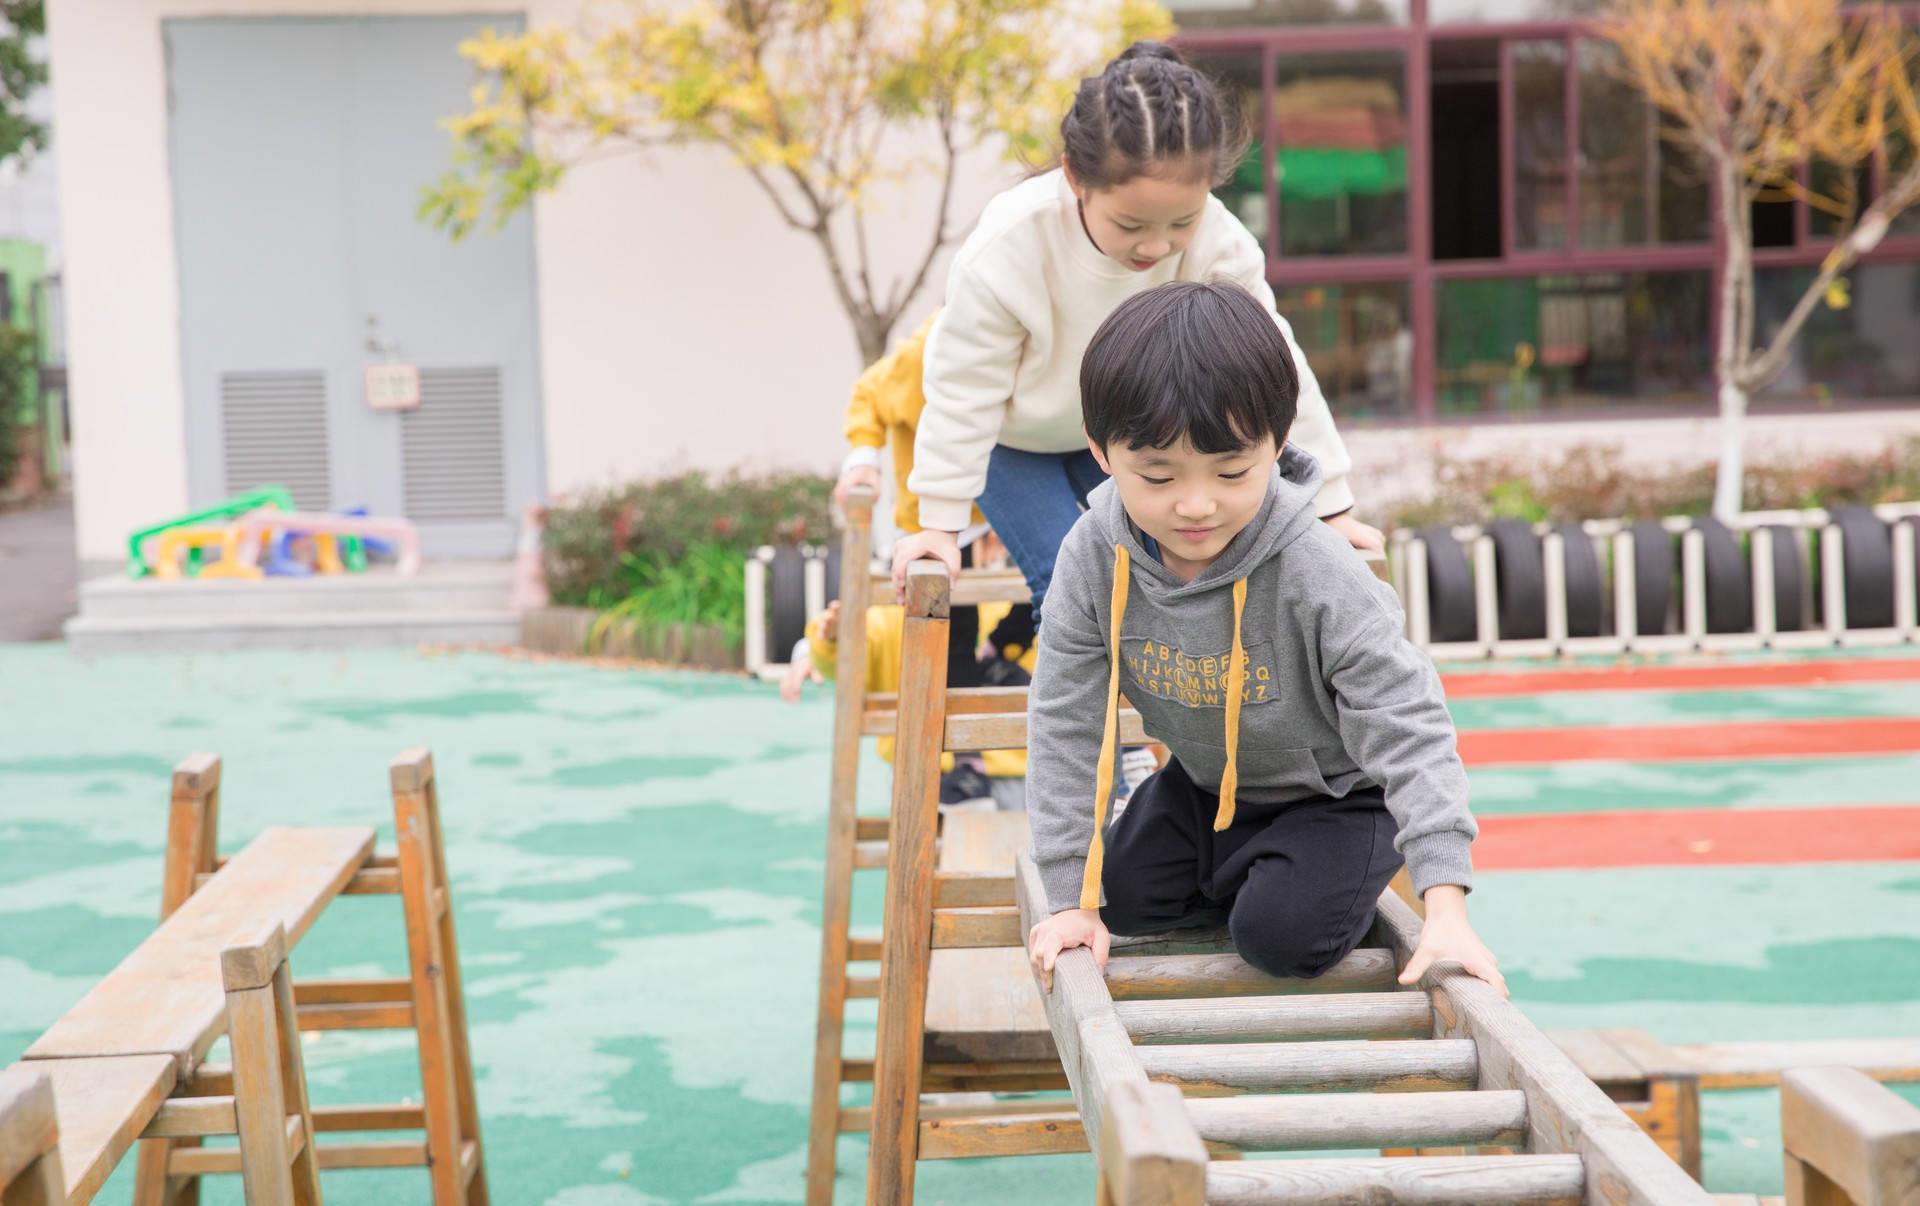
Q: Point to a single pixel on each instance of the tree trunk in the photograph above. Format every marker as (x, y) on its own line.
(872, 333)
(1730, 359)
(1728, 483)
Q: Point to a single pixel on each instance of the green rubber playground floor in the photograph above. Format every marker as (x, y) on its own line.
(636, 864)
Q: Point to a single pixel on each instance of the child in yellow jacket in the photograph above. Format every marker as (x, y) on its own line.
(885, 626)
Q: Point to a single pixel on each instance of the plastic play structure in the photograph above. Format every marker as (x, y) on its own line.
(257, 535)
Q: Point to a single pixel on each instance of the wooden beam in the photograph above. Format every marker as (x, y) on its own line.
(1149, 1155)
(973, 890)
(1018, 1135)
(1840, 1129)
(1566, 1112)
(1435, 1065)
(1159, 977)
(1395, 1015)
(1432, 1181)
(1747, 1065)
(1008, 731)
(998, 927)
(1306, 1121)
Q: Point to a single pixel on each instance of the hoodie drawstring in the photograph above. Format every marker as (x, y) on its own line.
(1110, 732)
(1236, 683)
(1110, 735)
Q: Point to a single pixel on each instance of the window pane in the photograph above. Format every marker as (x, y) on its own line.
(1900, 160)
(1237, 74)
(1540, 145)
(1864, 351)
(1240, 14)
(1637, 186)
(1532, 345)
(1451, 12)
(1358, 343)
(1680, 209)
(1851, 191)
(1340, 154)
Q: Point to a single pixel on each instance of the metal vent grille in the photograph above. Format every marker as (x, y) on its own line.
(453, 447)
(275, 429)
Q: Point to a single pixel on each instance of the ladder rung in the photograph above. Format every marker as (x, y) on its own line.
(1160, 977)
(871, 829)
(1556, 1180)
(869, 856)
(1370, 1015)
(1436, 1065)
(863, 948)
(1342, 1120)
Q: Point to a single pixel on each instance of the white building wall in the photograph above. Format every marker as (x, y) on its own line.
(682, 322)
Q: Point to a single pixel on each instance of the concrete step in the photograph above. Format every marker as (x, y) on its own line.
(442, 587)
(354, 629)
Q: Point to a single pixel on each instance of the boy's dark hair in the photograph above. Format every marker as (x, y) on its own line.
(1201, 361)
(1149, 107)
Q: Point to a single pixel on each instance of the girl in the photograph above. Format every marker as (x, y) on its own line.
(1130, 207)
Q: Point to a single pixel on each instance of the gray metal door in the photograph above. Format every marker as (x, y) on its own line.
(299, 147)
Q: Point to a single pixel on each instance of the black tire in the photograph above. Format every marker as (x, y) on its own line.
(1653, 573)
(1867, 560)
(1450, 607)
(786, 602)
(1728, 581)
(1586, 583)
(1789, 580)
(1520, 580)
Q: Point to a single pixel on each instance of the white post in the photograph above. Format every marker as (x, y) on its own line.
(1625, 604)
(1553, 555)
(1903, 600)
(1419, 606)
(756, 636)
(1693, 586)
(1765, 616)
(1833, 563)
(814, 581)
(1486, 596)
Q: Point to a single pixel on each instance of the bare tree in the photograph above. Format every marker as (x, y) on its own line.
(1760, 91)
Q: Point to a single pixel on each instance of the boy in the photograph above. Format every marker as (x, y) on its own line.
(1311, 746)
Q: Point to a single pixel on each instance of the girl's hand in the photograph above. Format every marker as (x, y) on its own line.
(928, 544)
(1361, 536)
(1448, 938)
(797, 673)
(830, 623)
(859, 475)
(1064, 931)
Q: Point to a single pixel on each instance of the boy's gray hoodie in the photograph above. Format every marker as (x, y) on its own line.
(1332, 697)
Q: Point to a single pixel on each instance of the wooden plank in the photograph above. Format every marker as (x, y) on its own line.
(1310, 1121)
(352, 992)
(374, 881)
(369, 1118)
(1023, 1076)
(103, 1105)
(1386, 1015)
(1602, 1062)
(29, 1128)
(1746, 1065)
(869, 856)
(1008, 731)
(900, 1033)
(1432, 1181)
(973, 889)
(1434, 1065)
(863, 948)
(1094, 1047)
(846, 833)
(1159, 977)
(166, 997)
(185, 1117)
(366, 1015)
(207, 1161)
(859, 1119)
(982, 1006)
(1566, 1112)
(1019, 1135)
(1149, 1155)
(863, 988)
(961, 701)
(956, 929)
(974, 587)
(1857, 1134)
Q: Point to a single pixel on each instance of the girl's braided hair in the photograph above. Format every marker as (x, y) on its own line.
(1149, 107)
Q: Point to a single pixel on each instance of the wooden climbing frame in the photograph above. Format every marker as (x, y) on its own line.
(988, 1038)
(430, 1000)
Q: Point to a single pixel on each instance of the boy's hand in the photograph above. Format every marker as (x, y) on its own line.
(1361, 536)
(830, 623)
(944, 546)
(1064, 931)
(859, 475)
(797, 674)
(1448, 938)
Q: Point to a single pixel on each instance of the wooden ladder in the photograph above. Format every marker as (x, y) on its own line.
(1001, 1051)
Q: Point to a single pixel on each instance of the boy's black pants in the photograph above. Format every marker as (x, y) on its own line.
(1295, 883)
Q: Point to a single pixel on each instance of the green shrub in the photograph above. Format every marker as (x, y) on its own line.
(16, 380)
(673, 550)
